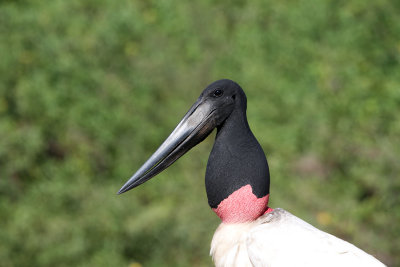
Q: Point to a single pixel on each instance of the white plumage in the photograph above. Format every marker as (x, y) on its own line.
(279, 239)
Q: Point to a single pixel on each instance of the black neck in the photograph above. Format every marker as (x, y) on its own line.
(236, 160)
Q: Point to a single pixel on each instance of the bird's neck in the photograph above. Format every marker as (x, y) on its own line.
(237, 176)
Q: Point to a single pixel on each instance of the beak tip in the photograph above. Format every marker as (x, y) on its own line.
(130, 184)
(122, 190)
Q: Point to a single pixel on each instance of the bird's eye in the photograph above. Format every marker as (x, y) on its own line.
(218, 93)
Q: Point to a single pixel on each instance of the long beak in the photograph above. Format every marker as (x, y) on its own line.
(195, 126)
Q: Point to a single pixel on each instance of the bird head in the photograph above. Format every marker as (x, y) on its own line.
(237, 176)
(211, 109)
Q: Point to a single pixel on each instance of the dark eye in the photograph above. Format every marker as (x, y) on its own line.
(218, 93)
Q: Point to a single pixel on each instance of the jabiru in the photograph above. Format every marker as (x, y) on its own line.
(237, 184)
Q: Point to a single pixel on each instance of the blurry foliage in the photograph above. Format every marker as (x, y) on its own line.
(88, 90)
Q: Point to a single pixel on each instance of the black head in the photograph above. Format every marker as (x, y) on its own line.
(215, 104)
(224, 96)
(237, 176)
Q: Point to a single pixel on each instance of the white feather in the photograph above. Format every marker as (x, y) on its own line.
(280, 239)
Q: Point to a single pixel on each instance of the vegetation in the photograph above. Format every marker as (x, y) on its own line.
(89, 89)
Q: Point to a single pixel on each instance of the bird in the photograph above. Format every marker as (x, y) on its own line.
(237, 184)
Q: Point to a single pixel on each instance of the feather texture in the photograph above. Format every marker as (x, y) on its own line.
(278, 239)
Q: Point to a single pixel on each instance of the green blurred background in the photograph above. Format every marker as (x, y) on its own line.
(90, 88)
